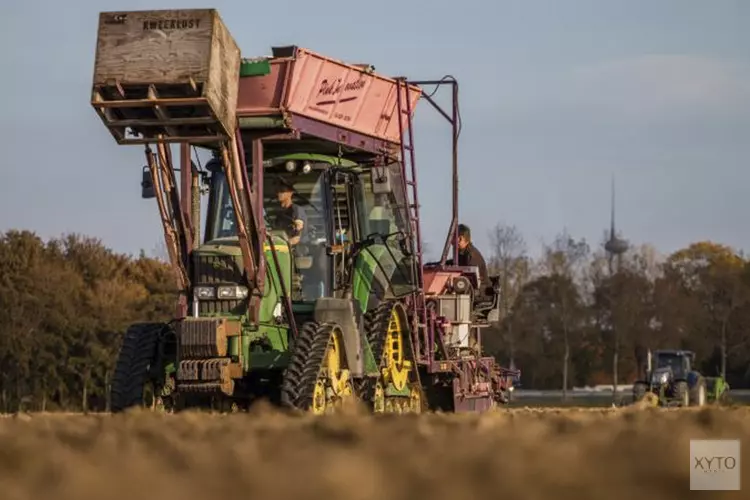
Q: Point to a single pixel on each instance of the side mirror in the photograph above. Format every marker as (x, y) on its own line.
(147, 187)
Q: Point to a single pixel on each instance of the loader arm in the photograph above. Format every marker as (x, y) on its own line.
(244, 205)
(173, 221)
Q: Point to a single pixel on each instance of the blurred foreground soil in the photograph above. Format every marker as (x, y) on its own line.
(514, 454)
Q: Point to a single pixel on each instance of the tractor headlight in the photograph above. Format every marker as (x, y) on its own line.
(660, 378)
(232, 292)
(203, 292)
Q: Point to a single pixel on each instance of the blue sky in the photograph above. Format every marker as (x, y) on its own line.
(556, 97)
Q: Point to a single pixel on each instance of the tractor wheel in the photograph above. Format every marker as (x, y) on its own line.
(682, 393)
(317, 379)
(639, 391)
(389, 336)
(723, 398)
(134, 383)
(698, 393)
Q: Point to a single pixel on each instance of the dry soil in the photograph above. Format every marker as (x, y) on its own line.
(518, 454)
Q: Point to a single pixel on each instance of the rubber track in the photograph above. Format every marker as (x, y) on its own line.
(376, 330)
(132, 370)
(305, 365)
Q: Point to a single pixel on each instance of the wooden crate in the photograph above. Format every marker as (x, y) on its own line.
(169, 73)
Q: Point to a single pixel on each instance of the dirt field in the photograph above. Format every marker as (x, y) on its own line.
(513, 454)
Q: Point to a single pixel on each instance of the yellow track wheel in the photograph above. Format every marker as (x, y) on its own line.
(318, 379)
(415, 399)
(378, 399)
(389, 335)
(396, 369)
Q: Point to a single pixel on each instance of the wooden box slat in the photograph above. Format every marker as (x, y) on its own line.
(166, 72)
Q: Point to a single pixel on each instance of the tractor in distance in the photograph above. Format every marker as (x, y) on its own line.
(672, 380)
(304, 305)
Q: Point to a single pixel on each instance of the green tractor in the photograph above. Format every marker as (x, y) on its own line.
(671, 380)
(318, 287)
(309, 305)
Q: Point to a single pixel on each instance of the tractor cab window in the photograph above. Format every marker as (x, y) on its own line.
(306, 194)
(385, 213)
(220, 217)
(676, 363)
(308, 197)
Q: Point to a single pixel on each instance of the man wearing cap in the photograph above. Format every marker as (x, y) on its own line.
(291, 217)
(469, 255)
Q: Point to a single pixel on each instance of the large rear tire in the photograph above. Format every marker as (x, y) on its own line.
(682, 393)
(135, 383)
(698, 393)
(639, 391)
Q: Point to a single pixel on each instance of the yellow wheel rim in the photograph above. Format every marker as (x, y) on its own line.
(334, 382)
(319, 400)
(346, 394)
(389, 406)
(339, 377)
(378, 399)
(149, 396)
(415, 400)
(396, 370)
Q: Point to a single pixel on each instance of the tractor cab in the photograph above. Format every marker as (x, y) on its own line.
(318, 198)
(678, 363)
(346, 209)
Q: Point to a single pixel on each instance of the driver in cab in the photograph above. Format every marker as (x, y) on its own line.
(290, 217)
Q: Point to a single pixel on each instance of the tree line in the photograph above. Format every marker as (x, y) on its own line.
(578, 316)
(568, 318)
(64, 306)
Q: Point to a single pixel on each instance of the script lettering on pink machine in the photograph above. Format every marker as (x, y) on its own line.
(337, 92)
(328, 91)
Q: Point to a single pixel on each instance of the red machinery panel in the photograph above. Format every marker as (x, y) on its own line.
(330, 91)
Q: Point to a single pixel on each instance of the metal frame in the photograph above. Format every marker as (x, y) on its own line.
(451, 240)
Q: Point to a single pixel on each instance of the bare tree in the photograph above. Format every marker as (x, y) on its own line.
(565, 261)
(509, 261)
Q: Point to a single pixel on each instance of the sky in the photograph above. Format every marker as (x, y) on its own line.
(556, 98)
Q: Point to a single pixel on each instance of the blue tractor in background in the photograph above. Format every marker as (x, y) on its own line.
(671, 380)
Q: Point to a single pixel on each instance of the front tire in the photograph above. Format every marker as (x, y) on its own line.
(134, 383)
(698, 394)
(639, 391)
(682, 393)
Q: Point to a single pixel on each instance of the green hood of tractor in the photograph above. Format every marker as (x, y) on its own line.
(221, 246)
(230, 245)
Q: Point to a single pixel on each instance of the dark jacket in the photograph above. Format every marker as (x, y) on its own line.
(470, 256)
